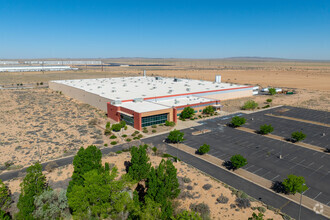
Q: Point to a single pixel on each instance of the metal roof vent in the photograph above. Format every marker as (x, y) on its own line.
(188, 89)
(113, 90)
(138, 100)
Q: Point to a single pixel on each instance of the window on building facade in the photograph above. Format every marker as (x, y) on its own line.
(154, 119)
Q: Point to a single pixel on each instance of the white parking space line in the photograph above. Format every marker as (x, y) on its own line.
(297, 164)
(265, 174)
(275, 177)
(257, 170)
(249, 167)
(318, 195)
(293, 158)
(316, 170)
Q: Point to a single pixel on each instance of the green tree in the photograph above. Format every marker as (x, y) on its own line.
(187, 112)
(266, 129)
(293, 184)
(34, 184)
(163, 186)
(272, 91)
(5, 199)
(248, 105)
(238, 161)
(298, 136)
(175, 136)
(4, 215)
(140, 165)
(269, 101)
(187, 215)
(260, 216)
(203, 149)
(51, 204)
(237, 121)
(100, 196)
(208, 110)
(86, 160)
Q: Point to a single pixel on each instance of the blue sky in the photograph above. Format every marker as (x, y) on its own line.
(296, 29)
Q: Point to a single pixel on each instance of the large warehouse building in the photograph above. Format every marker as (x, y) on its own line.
(144, 101)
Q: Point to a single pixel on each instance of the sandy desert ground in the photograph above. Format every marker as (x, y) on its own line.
(191, 184)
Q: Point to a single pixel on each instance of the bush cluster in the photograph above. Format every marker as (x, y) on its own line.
(237, 121)
(266, 129)
(250, 105)
(205, 148)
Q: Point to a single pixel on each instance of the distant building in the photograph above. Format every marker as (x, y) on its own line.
(145, 101)
(34, 68)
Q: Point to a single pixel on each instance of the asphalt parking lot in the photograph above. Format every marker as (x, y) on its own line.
(302, 113)
(284, 128)
(262, 154)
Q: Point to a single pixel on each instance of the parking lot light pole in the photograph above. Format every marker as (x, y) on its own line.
(301, 194)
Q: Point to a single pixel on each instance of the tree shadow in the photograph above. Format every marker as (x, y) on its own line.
(127, 165)
(327, 150)
(278, 187)
(141, 190)
(228, 165)
(290, 140)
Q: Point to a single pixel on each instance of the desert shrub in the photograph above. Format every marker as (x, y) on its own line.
(298, 136)
(243, 203)
(154, 126)
(145, 130)
(205, 148)
(269, 100)
(293, 184)
(272, 91)
(187, 112)
(136, 138)
(125, 128)
(222, 199)
(237, 121)
(260, 216)
(93, 121)
(51, 205)
(113, 137)
(266, 129)
(154, 149)
(261, 209)
(248, 105)
(266, 106)
(105, 145)
(189, 187)
(136, 132)
(153, 131)
(128, 140)
(119, 152)
(170, 123)
(202, 208)
(107, 131)
(140, 136)
(187, 215)
(207, 186)
(186, 179)
(238, 161)
(113, 142)
(51, 166)
(208, 110)
(108, 125)
(124, 135)
(116, 127)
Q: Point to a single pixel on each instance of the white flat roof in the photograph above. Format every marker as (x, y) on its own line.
(182, 100)
(143, 106)
(128, 88)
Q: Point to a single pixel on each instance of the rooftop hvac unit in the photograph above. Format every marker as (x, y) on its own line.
(138, 100)
(116, 102)
(176, 101)
(113, 90)
(188, 89)
(177, 80)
